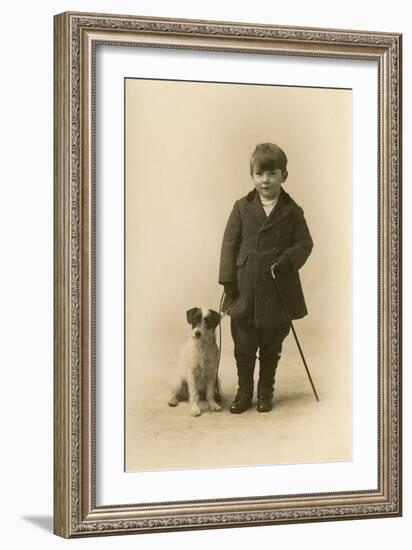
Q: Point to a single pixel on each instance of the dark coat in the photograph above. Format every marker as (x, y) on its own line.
(251, 243)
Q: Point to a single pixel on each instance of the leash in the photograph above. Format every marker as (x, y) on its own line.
(222, 314)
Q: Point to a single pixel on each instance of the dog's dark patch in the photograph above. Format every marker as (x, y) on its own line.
(194, 316)
(212, 319)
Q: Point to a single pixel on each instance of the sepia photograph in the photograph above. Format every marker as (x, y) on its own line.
(238, 274)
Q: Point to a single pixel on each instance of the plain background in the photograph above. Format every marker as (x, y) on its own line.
(188, 146)
(26, 274)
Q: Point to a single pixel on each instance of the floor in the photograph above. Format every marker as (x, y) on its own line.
(297, 430)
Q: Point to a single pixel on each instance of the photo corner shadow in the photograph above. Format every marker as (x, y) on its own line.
(43, 522)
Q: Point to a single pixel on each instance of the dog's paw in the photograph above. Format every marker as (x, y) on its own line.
(214, 407)
(173, 402)
(195, 411)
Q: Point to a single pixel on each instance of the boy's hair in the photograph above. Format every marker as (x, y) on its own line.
(268, 156)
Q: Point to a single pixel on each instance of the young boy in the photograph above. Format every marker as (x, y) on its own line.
(265, 228)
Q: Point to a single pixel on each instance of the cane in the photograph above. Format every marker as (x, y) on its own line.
(285, 309)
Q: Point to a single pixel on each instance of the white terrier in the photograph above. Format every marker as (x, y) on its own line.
(196, 376)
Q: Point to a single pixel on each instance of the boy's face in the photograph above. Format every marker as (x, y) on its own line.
(268, 182)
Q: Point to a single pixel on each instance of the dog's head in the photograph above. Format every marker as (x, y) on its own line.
(203, 321)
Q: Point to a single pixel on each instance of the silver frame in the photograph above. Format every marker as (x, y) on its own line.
(75, 40)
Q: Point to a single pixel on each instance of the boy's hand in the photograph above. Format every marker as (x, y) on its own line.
(231, 291)
(282, 264)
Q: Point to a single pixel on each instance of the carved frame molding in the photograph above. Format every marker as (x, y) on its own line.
(76, 36)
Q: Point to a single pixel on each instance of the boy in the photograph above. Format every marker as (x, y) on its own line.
(265, 228)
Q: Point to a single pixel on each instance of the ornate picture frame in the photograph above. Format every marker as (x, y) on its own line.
(77, 511)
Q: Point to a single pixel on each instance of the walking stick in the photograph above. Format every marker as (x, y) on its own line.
(285, 309)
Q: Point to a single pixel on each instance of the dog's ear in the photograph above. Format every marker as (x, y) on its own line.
(190, 313)
(214, 318)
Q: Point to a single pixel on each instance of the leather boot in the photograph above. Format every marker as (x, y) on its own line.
(242, 401)
(264, 403)
(265, 386)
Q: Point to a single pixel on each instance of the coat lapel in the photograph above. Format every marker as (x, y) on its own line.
(255, 209)
(281, 209)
